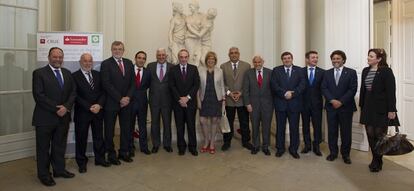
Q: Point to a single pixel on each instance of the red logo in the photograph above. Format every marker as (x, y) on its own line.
(75, 40)
(42, 41)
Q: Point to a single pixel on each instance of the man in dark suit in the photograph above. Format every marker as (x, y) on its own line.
(54, 93)
(258, 98)
(89, 104)
(339, 87)
(140, 103)
(233, 73)
(118, 81)
(160, 102)
(184, 82)
(312, 103)
(288, 84)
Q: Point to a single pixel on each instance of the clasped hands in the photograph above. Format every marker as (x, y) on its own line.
(124, 101)
(183, 101)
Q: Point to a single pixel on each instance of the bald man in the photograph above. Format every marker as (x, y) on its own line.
(89, 112)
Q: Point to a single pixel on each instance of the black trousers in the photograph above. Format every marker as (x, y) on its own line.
(315, 116)
(243, 115)
(339, 122)
(185, 117)
(125, 126)
(281, 117)
(139, 114)
(156, 114)
(81, 132)
(51, 148)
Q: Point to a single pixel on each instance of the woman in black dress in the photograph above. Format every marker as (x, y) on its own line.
(210, 96)
(377, 101)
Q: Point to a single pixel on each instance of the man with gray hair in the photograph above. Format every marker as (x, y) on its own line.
(89, 105)
(257, 96)
(160, 101)
(233, 71)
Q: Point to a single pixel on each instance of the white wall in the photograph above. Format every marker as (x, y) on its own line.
(147, 24)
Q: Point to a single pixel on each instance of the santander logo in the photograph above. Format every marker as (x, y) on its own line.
(75, 40)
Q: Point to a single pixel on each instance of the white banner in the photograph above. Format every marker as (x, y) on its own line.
(73, 44)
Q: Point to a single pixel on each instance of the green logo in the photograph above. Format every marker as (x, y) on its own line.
(95, 38)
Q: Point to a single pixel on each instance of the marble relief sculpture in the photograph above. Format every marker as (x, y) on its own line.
(192, 32)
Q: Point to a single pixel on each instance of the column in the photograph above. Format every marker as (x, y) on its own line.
(83, 15)
(293, 29)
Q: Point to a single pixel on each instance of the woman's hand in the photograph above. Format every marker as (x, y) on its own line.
(391, 115)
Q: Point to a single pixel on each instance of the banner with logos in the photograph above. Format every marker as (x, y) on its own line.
(73, 44)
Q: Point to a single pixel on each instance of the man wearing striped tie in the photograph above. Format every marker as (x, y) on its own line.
(88, 112)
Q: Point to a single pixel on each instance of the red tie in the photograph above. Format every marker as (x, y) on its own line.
(138, 79)
(259, 79)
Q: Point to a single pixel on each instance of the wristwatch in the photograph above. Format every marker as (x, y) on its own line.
(189, 97)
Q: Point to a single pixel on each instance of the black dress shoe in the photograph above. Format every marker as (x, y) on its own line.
(146, 151)
(225, 147)
(305, 150)
(64, 174)
(331, 157)
(279, 153)
(317, 151)
(103, 163)
(347, 160)
(194, 152)
(82, 169)
(47, 181)
(254, 151)
(181, 152)
(248, 146)
(125, 158)
(114, 161)
(168, 149)
(294, 155)
(154, 150)
(266, 152)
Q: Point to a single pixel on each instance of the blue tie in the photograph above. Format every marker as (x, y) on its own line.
(311, 76)
(59, 78)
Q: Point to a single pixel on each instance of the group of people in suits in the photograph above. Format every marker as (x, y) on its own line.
(120, 90)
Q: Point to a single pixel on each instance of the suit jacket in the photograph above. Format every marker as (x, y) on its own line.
(86, 96)
(115, 84)
(280, 83)
(312, 96)
(258, 97)
(48, 94)
(140, 97)
(180, 87)
(159, 92)
(383, 90)
(234, 83)
(344, 91)
(218, 83)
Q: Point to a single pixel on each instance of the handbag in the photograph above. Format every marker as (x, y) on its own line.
(225, 126)
(394, 145)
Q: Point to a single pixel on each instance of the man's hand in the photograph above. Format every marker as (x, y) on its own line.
(62, 110)
(249, 108)
(95, 108)
(336, 103)
(288, 95)
(183, 101)
(124, 101)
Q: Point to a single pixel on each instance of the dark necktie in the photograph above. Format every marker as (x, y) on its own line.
(311, 76)
(183, 73)
(161, 72)
(59, 78)
(138, 79)
(260, 79)
(91, 83)
(288, 72)
(234, 70)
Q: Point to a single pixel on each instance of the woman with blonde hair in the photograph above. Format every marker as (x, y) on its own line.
(211, 96)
